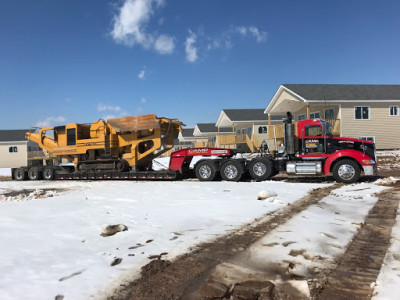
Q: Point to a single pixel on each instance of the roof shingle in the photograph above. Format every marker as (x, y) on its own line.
(345, 91)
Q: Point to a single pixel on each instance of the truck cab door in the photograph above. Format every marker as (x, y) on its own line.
(313, 140)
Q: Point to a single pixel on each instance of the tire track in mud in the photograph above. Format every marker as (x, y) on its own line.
(165, 280)
(362, 261)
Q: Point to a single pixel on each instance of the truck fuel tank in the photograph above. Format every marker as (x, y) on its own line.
(304, 168)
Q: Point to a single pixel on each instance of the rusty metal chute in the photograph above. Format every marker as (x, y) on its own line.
(134, 123)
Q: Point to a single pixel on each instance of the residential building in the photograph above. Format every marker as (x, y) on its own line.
(186, 138)
(248, 128)
(15, 149)
(206, 134)
(368, 112)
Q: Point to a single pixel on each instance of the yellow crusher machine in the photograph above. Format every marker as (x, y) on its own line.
(121, 144)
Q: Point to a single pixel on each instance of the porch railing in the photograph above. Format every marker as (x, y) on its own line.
(276, 131)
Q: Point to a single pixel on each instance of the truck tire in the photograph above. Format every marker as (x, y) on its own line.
(20, 174)
(261, 169)
(34, 173)
(346, 171)
(232, 170)
(205, 171)
(48, 173)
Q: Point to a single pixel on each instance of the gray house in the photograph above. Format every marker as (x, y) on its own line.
(369, 112)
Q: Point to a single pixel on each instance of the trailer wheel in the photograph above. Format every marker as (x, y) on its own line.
(346, 171)
(20, 174)
(205, 171)
(261, 169)
(48, 173)
(34, 173)
(231, 171)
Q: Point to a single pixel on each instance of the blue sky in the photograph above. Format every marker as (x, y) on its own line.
(78, 61)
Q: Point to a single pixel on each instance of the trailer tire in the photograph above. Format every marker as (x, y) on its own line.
(261, 169)
(48, 173)
(34, 173)
(346, 171)
(20, 174)
(206, 171)
(231, 170)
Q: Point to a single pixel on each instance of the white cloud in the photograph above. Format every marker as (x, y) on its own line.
(260, 36)
(191, 50)
(130, 26)
(109, 117)
(102, 107)
(164, 44)
(143, 100)
(50, 121)
(142, 73)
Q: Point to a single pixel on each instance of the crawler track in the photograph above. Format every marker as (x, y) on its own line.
(361, 263)
(164, 280)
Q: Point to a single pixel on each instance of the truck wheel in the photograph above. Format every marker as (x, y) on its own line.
(48, 173)
(205, 171)
(231, 171)
(34, 173)
(346, 171)
(20, 174)
(261, 169)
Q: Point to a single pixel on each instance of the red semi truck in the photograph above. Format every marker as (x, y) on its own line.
(311, 151)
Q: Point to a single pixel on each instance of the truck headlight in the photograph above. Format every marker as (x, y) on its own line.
(368, 161)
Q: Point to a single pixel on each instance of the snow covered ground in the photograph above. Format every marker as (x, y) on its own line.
(5, 172)
(52, 245)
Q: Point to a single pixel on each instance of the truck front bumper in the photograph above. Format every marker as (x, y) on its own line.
(370, 170)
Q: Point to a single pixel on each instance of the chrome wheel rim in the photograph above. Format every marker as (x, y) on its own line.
(259, 169)
(47, 174)
(230, 171)
(346, 172)
(19, 174)
(205, 171)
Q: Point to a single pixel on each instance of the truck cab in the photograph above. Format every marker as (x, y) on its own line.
(310, 149)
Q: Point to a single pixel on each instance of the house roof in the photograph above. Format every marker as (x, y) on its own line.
(13, 135)
(238, 115)
(187, 132)
(211, 128)
(345, 91)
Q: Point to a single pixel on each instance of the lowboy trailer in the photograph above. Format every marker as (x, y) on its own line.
(308, 149)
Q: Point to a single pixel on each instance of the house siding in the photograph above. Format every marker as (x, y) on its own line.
(14, 159)
(319, 108)
(381, 125)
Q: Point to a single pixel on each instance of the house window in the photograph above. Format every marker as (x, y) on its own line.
(301, 117)
(315, 115)
(361, 112)
(394, 110)
(13, 149)
(329, 113)
(249, 131)
(262, 129)
(368, 138)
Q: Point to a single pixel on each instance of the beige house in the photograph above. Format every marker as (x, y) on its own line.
(206, 134)
(368, 112)
(248, 128)
(186, 138)
(15, 149)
